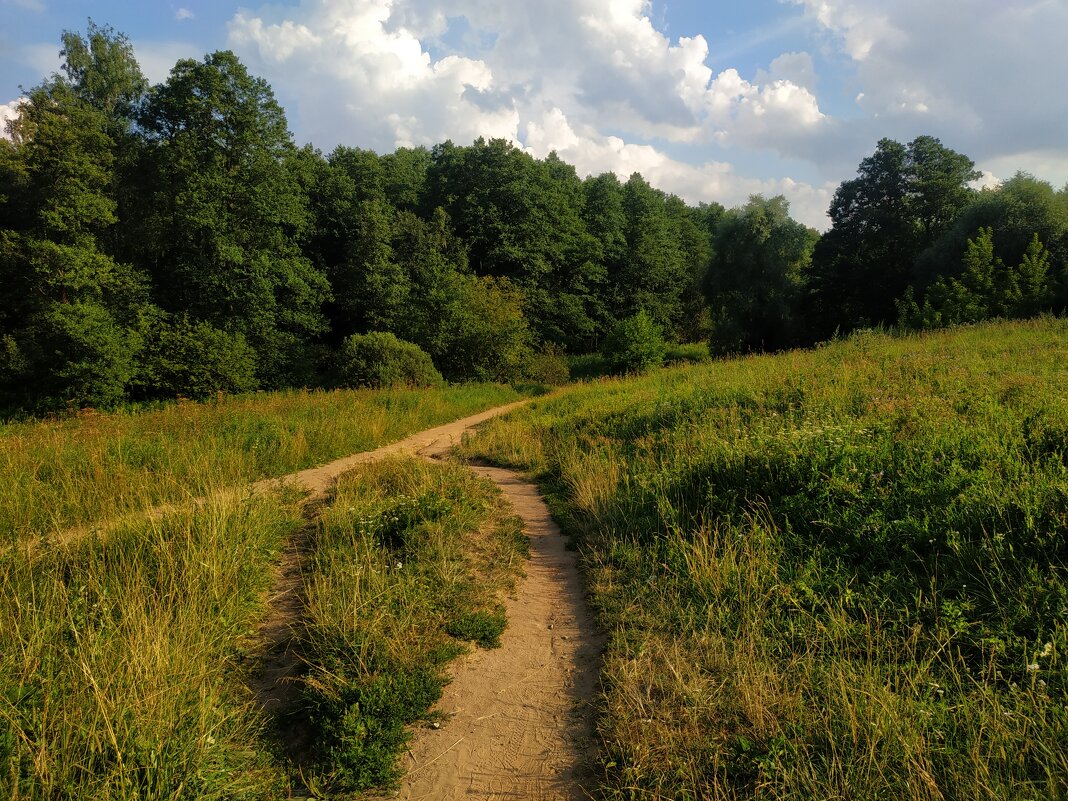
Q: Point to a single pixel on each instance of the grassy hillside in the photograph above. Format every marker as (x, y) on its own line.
(834, 574)
(126, 653)
(96, 467)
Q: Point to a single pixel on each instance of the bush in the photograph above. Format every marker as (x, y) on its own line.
(548, 366)
(489, 337)
(380, 359)
(79, 356)
(194, 359)
(635, 345)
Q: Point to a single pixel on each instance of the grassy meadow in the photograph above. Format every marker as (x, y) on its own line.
(127, 655)
(120, 658)
(77, 471)
(829, 574)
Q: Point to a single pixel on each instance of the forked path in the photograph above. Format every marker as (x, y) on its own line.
(518, 718)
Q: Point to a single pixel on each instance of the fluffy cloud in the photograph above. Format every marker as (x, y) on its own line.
(8, 112)
(592, 153)
(559, 74)
(984, 77)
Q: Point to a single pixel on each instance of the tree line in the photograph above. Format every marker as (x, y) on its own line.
(172, 240)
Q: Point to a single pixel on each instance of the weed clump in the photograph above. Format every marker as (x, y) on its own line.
(635, 345)
(484, 628)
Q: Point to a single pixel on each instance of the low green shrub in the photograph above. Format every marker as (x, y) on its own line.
(380, 360)
(635, 345)
(360, 730)
(194, 359)
(548, 366)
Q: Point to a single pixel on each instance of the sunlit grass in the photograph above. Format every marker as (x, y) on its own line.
(119, 660)
(829, 574)
(410, 563)
(97, 467)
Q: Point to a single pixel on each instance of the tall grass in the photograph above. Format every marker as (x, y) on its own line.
(119, 659)
(409, 565)
(828, 574)
(63, 473)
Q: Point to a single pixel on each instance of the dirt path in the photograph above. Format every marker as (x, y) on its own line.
(319, 480)
(274, 684)
(518, 717)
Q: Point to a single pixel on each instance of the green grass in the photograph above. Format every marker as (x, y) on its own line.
(826, 575)
(55, 475)
(409, 564)
(690, 353)
(125, 653)
(119, 659)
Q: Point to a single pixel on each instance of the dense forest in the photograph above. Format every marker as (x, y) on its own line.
(172, 240)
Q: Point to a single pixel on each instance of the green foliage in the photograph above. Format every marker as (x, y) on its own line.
(635, 345)
(103, 71)
(487, 336)
(1015, 211)
(219, 226)
(756, 279)
(482, 627)
(79, 356)
(189, 200)
(193, 359)
(547, 366)
(381, 360)
(361, 730)
(904, 198)
(985, 288)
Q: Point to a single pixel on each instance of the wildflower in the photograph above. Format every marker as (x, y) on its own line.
(1047, 651)
(399, 565)
(1032, 668)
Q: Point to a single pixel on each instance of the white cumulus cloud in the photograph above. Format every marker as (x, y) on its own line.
(985, 77)
(593, 79)
(9, 112)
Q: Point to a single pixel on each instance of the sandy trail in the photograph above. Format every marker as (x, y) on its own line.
(519, 717)
(438, 440)
(519, 721)
(274, 685)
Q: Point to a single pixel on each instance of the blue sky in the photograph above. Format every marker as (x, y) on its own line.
(711, 100)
